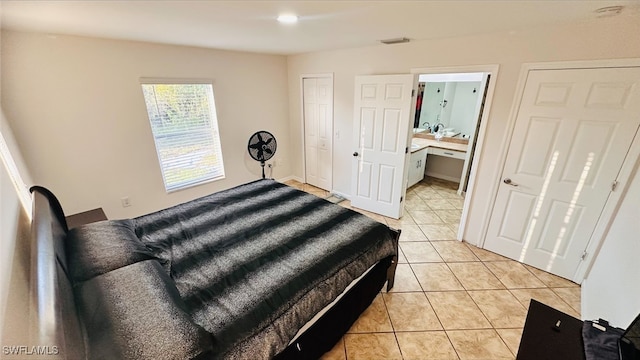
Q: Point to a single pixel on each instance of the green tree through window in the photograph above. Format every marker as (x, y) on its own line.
(185, 129)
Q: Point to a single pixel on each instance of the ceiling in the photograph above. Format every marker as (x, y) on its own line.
(322, 25)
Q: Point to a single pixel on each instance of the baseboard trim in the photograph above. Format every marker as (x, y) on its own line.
(443, 177)
(290, 177)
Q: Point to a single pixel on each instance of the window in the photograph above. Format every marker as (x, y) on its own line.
(185, 129)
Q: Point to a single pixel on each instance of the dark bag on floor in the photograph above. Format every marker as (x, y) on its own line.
(601, 340)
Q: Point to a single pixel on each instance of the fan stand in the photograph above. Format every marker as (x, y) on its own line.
(262, 164)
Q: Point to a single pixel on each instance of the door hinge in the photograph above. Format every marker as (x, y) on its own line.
(413, 92)
(401, 198)
(406, 150)
(584, 255)
(614, 185)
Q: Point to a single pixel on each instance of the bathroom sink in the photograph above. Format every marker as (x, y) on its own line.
(414, 146)
(450, 132)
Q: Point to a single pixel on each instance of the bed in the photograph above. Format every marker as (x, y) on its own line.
(258, 271)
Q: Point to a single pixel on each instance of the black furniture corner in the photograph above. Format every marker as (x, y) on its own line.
(550, 334)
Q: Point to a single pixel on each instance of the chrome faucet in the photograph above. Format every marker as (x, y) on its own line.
(439, 130)
(426, 125)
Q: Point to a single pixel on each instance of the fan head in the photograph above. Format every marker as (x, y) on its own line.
(262, 146)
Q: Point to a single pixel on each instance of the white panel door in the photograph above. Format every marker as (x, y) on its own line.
(318, 129)
(382, 109)
(572, 133)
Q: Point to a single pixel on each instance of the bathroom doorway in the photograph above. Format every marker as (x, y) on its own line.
(449, 107)
(452, 108)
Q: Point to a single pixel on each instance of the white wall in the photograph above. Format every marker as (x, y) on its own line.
(78, 114)
(611, 290)
(464, 106)
(597, 39)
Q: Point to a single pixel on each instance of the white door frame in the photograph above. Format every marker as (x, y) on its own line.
(628, 166)
(492, 69)
(302, 127)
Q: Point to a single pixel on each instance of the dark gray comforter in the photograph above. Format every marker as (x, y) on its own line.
(256, 262)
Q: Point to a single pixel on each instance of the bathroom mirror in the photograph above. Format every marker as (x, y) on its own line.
(448, 101)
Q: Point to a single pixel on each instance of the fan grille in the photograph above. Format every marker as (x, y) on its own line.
(262, 146)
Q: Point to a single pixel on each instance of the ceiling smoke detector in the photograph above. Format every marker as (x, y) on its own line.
(608, 11)
(395, 41)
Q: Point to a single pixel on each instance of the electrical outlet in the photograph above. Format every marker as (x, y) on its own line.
(126, 202)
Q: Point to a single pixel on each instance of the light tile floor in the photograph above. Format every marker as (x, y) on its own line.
(451, 300)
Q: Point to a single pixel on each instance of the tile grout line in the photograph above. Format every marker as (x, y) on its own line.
(395, 336)
(563, 299)
(471, 297)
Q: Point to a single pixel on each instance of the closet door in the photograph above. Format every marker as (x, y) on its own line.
(318, 129)
(573, 131)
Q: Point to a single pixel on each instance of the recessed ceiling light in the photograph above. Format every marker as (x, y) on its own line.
(288, 19)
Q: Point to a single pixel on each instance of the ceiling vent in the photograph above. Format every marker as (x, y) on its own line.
(395, 41)
(608, 11)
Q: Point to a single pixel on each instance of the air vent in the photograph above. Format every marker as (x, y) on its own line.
(608, 11)
(395, 41)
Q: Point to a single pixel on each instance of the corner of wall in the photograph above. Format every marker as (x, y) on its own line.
(15, 328)
(15, 225)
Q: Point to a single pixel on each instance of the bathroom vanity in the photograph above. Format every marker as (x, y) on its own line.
(424, 147)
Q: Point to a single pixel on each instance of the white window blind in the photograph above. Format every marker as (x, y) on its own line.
(185, 129)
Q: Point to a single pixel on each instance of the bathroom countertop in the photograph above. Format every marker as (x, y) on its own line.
(424, 143)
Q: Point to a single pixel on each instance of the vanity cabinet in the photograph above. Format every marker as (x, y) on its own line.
(417, 163)
(448, 153)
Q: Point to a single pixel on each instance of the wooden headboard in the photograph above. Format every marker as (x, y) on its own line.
(53, 310)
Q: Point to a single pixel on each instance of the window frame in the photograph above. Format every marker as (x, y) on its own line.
(215, 129)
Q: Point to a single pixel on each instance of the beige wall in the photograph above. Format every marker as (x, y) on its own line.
(444, 167)
(599, 39)
(78, 114)
(14, 248)
(15, 228)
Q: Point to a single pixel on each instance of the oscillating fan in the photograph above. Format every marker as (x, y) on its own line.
(262, 146)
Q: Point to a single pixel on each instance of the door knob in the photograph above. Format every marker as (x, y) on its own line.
(355, 153)
(509, 182)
